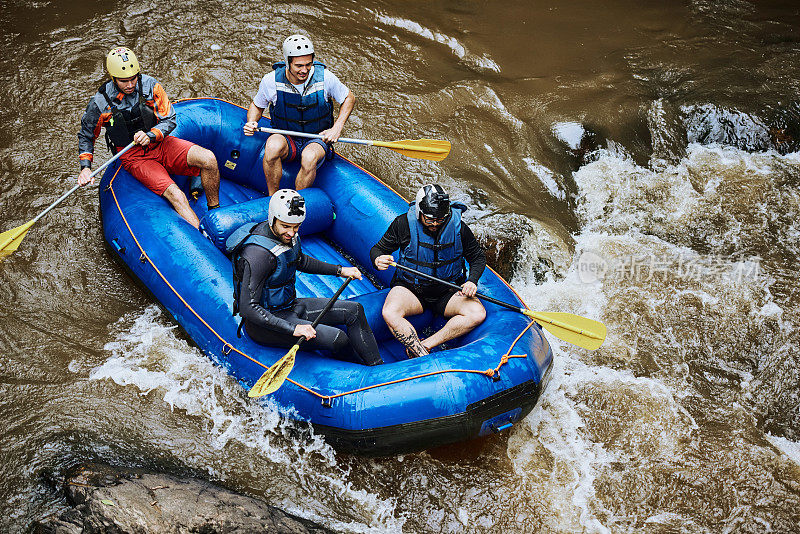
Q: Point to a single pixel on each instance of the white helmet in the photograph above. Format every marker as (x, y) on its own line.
(296, 45)
(288, 206)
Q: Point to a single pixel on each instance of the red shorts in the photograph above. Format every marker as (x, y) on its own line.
(153, 164)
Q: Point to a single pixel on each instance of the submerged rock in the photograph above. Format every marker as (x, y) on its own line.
(501, 253)
(113, 500)
(513, 243)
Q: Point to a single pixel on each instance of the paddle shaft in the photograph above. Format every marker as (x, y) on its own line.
(539, 317)
(314, 136)
(458, 287)
(111, 160)
(23, 228)
(326, 308)
(391, 144)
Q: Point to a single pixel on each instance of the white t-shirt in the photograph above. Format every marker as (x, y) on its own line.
(268, 93)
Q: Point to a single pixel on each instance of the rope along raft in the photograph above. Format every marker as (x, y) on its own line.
(227, 347)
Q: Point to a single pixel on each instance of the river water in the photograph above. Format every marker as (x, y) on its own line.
(646, 156)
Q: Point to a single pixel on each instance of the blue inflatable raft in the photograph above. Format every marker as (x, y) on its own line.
(482, 383)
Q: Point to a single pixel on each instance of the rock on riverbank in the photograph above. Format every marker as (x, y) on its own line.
(106, 499)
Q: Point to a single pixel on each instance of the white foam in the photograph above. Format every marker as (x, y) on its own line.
(148, 356)
(547, 177)
(487, 63)
(627, 211)
(788, 447)
(570, 133)
(458, 49)
(708, 123)
(675, 522)
(416, 28)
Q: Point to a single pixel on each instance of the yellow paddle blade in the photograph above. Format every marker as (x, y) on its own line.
(10, 240)
(580, 331)
(432, 149)
(273, 378)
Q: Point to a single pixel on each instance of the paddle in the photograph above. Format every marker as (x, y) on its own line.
(580, 331)
(273, 378)
(432, 149)
(10, 239)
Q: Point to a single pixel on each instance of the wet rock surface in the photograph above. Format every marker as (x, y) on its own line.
(500, 253)
(105, 499)
(506, 253)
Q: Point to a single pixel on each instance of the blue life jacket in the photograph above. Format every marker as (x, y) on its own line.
(279, 291)
(442, 256)
(309, 112)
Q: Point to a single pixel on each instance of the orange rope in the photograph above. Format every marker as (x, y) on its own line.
(507, 356)
(489, 372)
(125, 220)
(407, 379)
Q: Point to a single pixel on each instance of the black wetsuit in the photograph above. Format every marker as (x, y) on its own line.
(358, 345)
(431, 295)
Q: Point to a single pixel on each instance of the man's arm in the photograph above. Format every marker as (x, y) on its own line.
(473, 253)
(310, 265)
(256, 266)
(91, 124)
(267, 93)
(307, 264)
(347, 101)
(253, 114)
(333, 133)
(397, 236)
(167, 119)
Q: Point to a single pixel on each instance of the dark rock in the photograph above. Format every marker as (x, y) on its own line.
(780, 136)
(502, 238)
(106, 499)
(500, 253)
(667, 133)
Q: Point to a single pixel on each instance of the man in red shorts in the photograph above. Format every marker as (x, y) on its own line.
(134, 107)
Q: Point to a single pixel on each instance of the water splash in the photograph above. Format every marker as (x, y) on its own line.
(242, 439)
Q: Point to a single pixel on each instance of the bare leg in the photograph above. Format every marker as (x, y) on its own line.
(175, 196)
(312, 154)
(209, 173)
(275, 151)
(400, 302)
(465, 314)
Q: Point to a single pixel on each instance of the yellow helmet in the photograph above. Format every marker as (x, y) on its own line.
(122, 63)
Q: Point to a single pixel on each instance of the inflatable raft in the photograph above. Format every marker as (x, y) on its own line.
(481, 383)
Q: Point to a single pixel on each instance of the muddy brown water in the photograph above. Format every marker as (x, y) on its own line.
(645, 153)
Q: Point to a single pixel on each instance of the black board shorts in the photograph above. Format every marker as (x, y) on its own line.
(433, 297)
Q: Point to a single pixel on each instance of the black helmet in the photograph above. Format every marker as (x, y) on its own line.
(433, 202)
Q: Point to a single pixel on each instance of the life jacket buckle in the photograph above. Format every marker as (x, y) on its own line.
(327, 402)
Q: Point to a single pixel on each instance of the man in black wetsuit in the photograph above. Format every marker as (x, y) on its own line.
(433, 240)
(265, 263)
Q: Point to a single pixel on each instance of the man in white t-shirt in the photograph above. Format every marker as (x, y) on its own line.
(299, 93)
